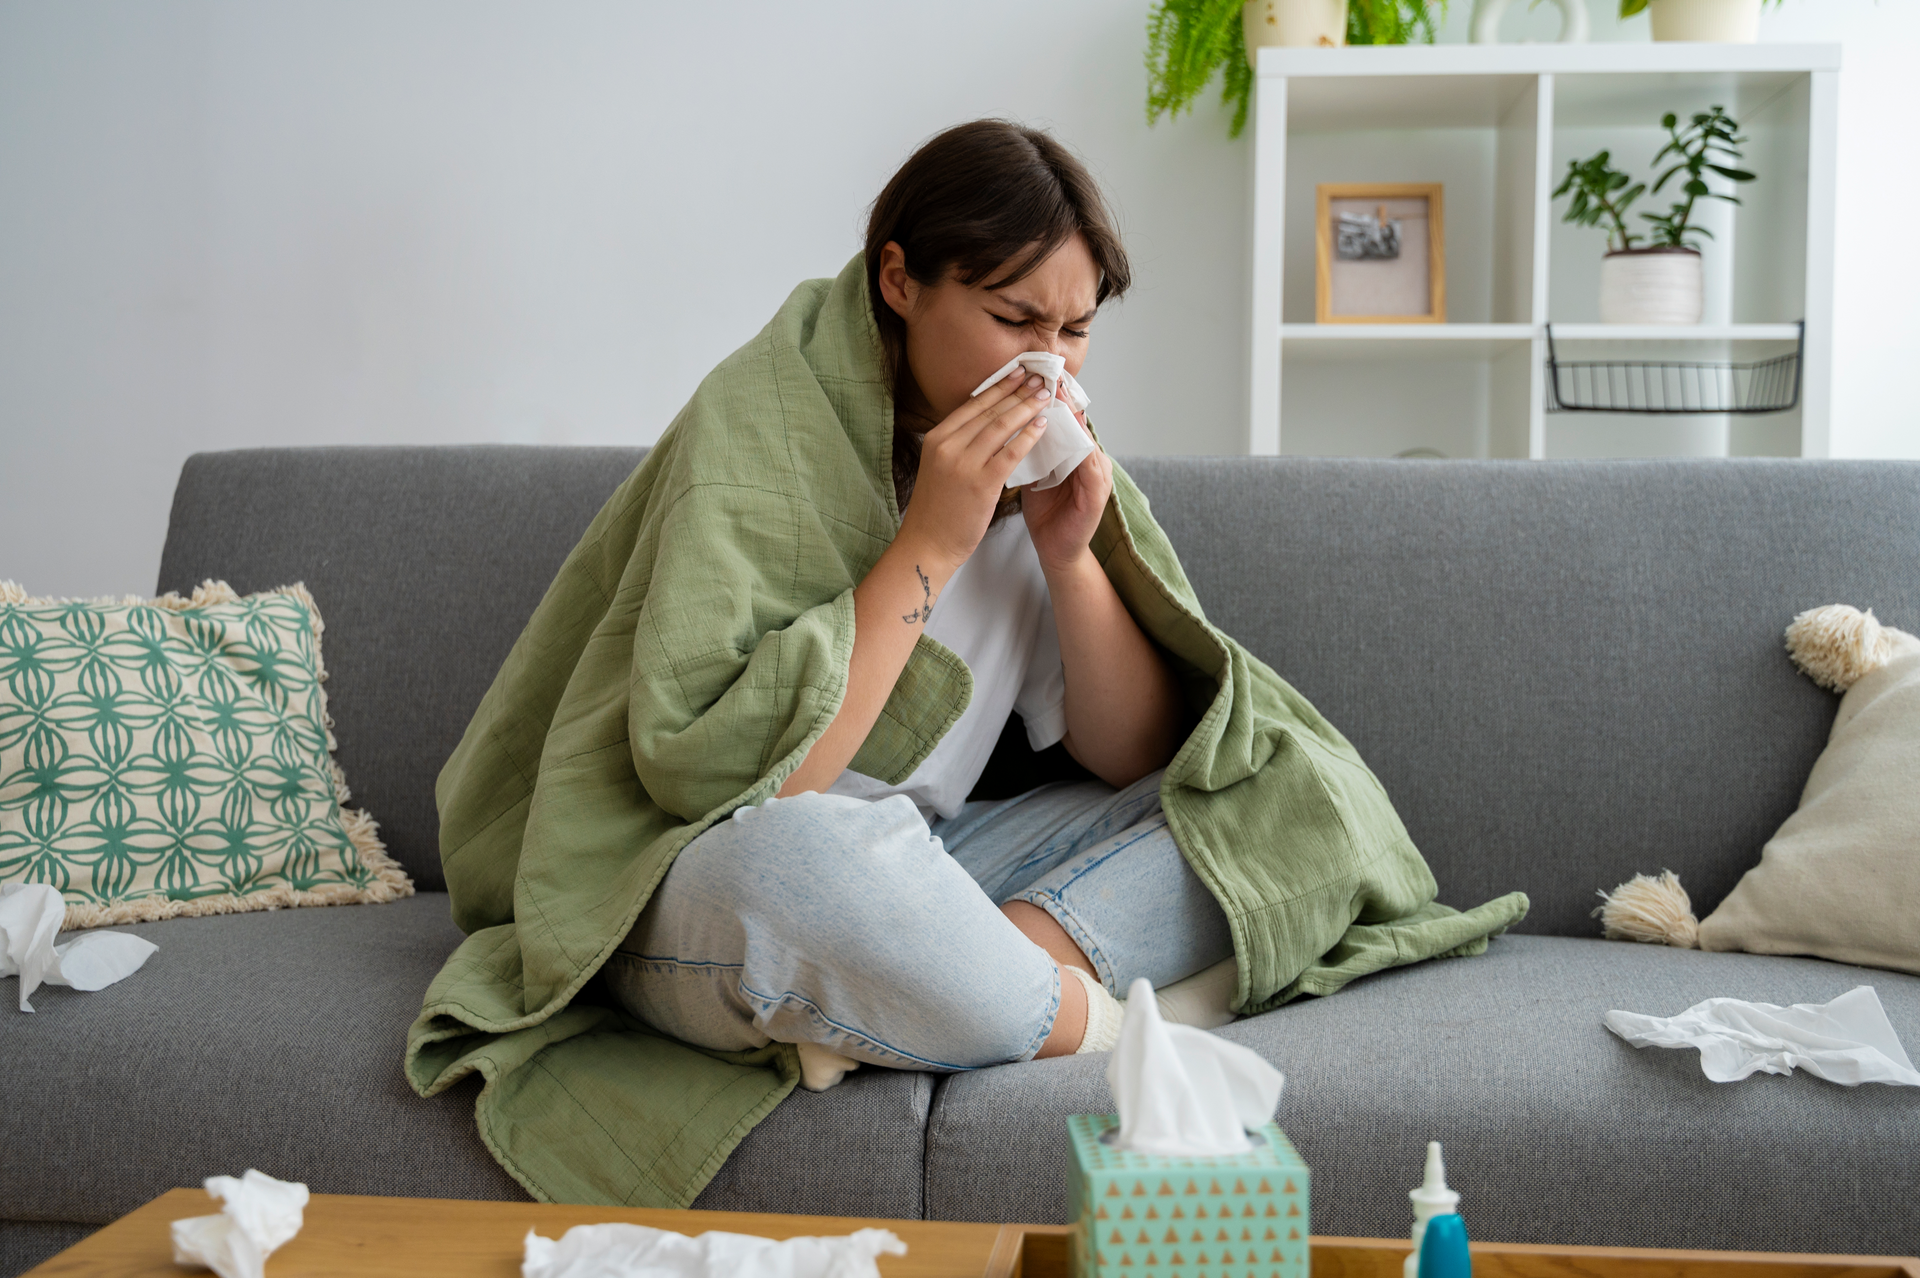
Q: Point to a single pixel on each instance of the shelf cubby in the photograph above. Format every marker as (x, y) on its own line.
(1497, 124)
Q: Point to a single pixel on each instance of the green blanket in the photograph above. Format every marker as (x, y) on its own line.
(693, 647)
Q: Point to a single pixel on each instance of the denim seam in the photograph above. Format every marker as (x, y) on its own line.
(1091, 866)
(1065, 917)
(1046, 1023)
(875, 1044)
(669, 961)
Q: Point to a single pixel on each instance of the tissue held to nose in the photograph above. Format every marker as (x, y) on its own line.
(1182, 1091)
(1063, 445)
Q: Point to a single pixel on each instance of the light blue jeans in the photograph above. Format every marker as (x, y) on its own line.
(855, 925)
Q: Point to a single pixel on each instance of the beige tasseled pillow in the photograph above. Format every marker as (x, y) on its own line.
(1841, 879)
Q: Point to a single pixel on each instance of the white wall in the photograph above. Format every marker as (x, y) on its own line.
(229, 223)
(226, 223)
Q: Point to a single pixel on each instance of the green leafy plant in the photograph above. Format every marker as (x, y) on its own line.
(1393, 21)
(1596, 188)
(1603, 193)
(1188, 41)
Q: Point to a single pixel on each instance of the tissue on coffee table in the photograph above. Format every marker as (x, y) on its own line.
(619, 1250)
(258, 1215)
(1184, 1090)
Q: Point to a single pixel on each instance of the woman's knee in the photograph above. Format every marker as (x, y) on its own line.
(818, 853)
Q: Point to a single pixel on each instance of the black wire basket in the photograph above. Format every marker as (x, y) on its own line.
(1667, 386)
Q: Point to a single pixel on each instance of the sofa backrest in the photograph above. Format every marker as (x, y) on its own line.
(1564, 672)
(425, 563)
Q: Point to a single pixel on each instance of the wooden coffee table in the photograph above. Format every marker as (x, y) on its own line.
(346, 1234)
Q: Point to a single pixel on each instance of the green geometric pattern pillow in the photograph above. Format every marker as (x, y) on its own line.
(168, 757)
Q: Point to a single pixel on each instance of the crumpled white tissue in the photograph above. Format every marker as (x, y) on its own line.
(1848, 1041)
(30, 917)
(637, 1251)
(258, 1215)
(1064, 444)
(1183, 1091)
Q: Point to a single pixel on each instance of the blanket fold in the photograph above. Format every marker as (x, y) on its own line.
(689, 653)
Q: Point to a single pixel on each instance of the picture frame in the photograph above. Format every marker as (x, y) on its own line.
(1380, 253)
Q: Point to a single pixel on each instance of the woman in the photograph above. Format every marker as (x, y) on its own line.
(710, 827)
(951, 934)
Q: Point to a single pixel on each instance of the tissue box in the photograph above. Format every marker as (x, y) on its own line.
(1149, 1216)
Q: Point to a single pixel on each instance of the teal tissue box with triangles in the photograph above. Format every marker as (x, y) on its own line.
(1149, 1216)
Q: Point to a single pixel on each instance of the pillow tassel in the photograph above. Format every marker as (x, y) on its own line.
(1837, 646)
(1655, 911)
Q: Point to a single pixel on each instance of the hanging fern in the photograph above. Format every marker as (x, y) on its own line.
(1189, 40)
(1393, 21)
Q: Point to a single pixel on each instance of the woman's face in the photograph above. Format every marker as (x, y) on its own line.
(958, 334)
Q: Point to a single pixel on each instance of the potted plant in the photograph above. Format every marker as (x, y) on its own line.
(1189, 40)
(1724, 21)
(1660, 282)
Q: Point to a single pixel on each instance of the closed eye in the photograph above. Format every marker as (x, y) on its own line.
(1075, 333)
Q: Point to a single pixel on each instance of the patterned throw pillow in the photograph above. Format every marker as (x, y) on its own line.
(168, 757)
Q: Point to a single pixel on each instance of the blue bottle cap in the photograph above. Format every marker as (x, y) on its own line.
(1443, 1248)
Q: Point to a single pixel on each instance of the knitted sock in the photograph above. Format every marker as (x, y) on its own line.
(1202, 1000)
(821, 1067)
(1104, 1013)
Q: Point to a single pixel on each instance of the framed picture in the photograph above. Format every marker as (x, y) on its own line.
(1380, 253)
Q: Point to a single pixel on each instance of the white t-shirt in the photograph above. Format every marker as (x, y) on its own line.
(997, 617)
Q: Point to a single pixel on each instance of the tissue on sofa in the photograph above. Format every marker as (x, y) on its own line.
(30, 917)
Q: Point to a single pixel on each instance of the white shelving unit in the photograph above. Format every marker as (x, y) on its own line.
(1497, 124)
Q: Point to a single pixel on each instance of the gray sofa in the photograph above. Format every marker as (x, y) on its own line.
(1563, 672)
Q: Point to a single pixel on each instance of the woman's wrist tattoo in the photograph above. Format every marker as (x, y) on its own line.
(925, 610)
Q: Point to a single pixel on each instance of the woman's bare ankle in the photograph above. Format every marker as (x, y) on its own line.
(1045, 931)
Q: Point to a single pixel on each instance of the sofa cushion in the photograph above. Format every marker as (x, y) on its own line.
(427, 563)
(247, 1040)
(274, 1041)
(1562, 672)
(1555, 1130)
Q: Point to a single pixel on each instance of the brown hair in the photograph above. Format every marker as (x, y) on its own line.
(969, 202)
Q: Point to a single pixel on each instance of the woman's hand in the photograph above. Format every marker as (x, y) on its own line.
(1061, 519)
(964, 465)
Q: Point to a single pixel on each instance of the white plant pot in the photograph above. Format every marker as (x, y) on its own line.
(1293, 24)
(1718, 21)
(1651, 286)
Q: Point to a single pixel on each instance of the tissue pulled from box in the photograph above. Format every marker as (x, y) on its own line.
(638, 1251)
(1182, 1091)
(1847, 1041)
(30, 917)
(1064, 444)
(258, 1215)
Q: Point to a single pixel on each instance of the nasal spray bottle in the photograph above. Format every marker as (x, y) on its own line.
(1433, 1198)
